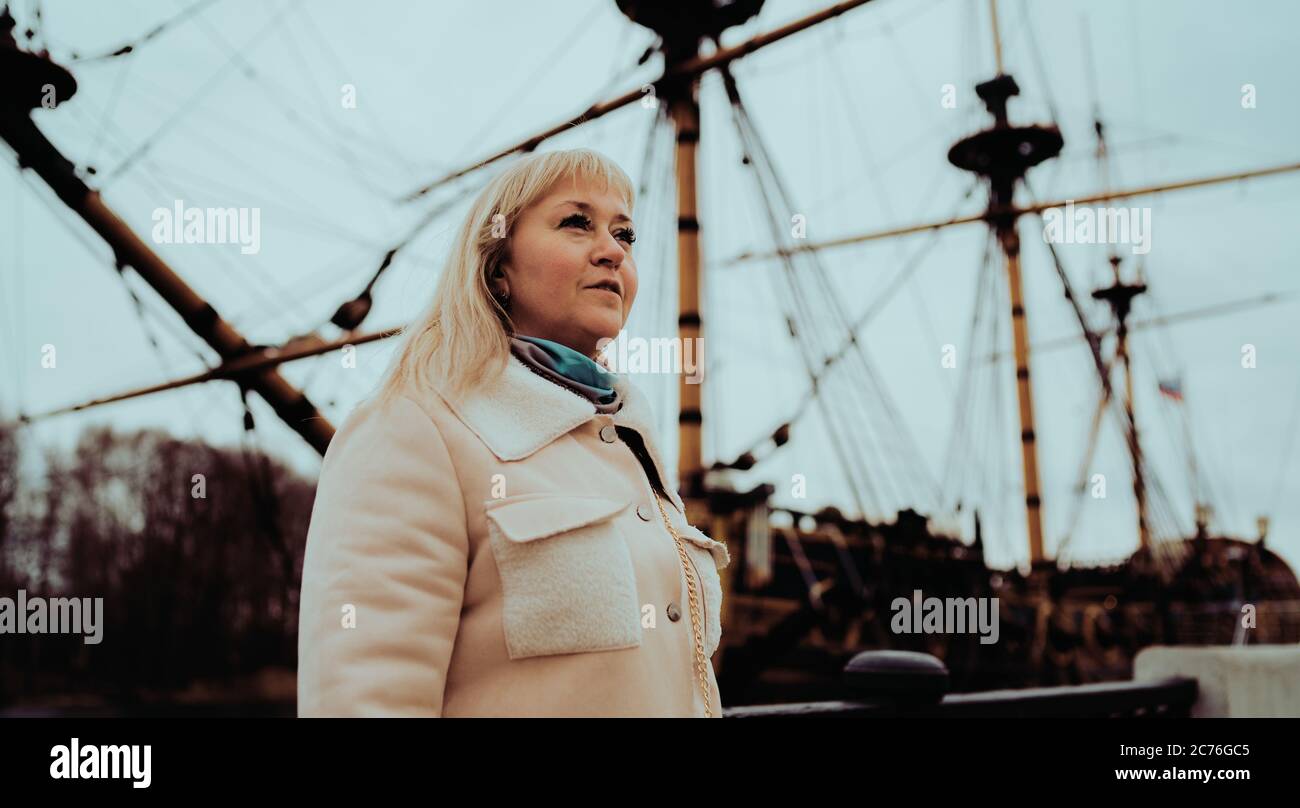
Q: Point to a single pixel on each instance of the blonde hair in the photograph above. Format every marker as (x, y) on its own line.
(463, 338)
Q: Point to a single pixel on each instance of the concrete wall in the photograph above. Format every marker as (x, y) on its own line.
(1235, 681)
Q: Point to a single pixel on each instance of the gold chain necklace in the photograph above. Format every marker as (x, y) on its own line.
(701, 666)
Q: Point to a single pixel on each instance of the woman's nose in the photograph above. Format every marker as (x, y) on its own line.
(608, 251)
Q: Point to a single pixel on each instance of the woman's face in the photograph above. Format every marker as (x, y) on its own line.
(576, 237)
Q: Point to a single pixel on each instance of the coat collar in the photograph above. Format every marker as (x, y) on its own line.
(520, 412)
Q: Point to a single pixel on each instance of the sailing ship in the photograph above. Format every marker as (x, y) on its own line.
(808, 589)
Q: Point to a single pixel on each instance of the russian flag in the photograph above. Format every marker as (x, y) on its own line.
(1172, 389)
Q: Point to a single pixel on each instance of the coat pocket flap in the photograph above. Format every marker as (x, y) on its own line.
(721, 556)
(529, 517)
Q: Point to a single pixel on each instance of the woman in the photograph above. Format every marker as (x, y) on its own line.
(493, 534)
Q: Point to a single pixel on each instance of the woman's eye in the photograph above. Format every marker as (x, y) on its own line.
(579, 220)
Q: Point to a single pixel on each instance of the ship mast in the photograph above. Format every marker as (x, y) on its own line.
(681, 30)
(1002, 154)
(1120, 297)
(684, 110)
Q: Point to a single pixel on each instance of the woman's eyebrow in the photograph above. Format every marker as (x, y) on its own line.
(584, 207)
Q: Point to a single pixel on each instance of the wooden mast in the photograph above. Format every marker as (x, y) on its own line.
(1003, 154)
(681, 30)
(1120, 297)
(1009, 240)
(684, 110)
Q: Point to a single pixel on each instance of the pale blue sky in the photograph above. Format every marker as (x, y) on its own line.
(853, 116)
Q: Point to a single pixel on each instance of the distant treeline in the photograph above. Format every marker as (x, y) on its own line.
(195, 550)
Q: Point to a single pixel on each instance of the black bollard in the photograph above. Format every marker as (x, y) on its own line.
(902, 678)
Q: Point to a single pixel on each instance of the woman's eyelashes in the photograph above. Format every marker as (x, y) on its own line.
(583, 221)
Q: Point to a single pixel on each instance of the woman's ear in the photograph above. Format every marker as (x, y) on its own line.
(499, 284)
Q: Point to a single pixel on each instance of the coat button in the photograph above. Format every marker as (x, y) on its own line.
(674, 613)
(643, 511)
(608, 433)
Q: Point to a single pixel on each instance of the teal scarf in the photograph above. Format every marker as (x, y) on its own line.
(580, 372)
